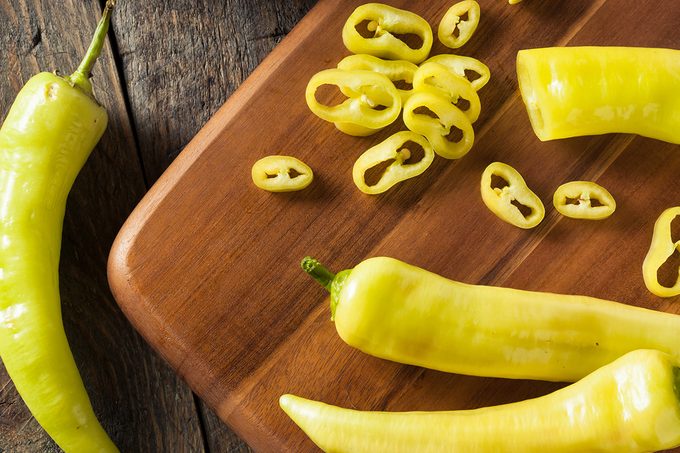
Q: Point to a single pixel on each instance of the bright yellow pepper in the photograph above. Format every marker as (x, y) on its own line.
(440, 78)
(385, 25)
(663, 246)
(573, 91)
(628, 406)
(281, 174)
(453, 31)
(462, 65)
(584, 200)
(394, 149)
(372, 101)
(400, 72)
(507, 195)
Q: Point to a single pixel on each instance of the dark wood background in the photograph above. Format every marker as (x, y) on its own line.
(168, 66)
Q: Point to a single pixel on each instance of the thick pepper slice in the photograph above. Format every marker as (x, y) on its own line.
(395, 149)
(281, 174)
(449, 130)
(437, 76)
(663, 246)
(454, 31)
(400, 72)
(387, 24)
(574, 91)
(506, 194)
(462, 65)
(584, 200)
(628, 406)
(372, 101)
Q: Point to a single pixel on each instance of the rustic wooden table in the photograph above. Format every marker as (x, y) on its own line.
(167, 68)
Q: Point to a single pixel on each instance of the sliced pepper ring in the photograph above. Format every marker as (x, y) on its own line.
(385, 22)
(660, 250)
(281, 174)
(438, 130)
(437, 76)
(395, 70)
(392, 149)
(372, 100)
(453, 21)
(503, 200)
(461, 65)
(584, 200)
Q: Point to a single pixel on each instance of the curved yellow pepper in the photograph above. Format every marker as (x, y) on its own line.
(281, 174)
(461, 65)
(662, 247)
(584, 200)
(372, 101)
(384, 22)
(573, 91)
(502, 200)
(437, 130)
(396, 149)
(452, 22)
(395, 70)
(628, 406)
(438, 77)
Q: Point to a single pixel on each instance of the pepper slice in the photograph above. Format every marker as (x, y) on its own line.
(462, 65)
(449, 130)
(663, 246)
(393, 149)
(454, 31)
(281, 174)
(437, 76)
(507, 195)
(372, 101)
(400, 72)
(584, 200)
(386, 23)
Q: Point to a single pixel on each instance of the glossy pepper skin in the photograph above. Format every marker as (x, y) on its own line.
(574, 91)
(501, 200)
(662, 247)
(584, 200)
(45, 139)
(628, 406)
(395, 311)
(281, 174)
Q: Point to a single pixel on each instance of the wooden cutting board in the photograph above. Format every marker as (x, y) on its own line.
(207, 266)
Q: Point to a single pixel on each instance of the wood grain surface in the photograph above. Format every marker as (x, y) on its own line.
(207, 267)
(167, 69)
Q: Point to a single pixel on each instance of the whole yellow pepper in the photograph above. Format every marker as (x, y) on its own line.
(49, 132)
(395, 311)
(628, 406)
(573, 91)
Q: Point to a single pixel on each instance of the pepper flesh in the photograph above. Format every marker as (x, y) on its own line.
(574, 91)
(45, 140)
(395, 70)
(660, 250)
(392, 149)
(385, 22)
(628, 406)
(575, 199)
(453, 21)
(460, 65)
(395, 311)
(501, 200)
(281, 174)
(438, 77)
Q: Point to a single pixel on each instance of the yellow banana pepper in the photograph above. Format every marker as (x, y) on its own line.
(507, 195)
(400, 72)
(663, 246)
(395, 311)
(281, 174)
(454, 31)
(573, 91)
(476, 72)
(628, 406)
(438, 77)
(584, 200)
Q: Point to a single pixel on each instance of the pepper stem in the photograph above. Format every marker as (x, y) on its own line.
(322, 275)
(81, 76)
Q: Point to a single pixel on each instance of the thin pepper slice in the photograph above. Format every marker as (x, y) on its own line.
(574, 91)
(662, 247)
(503, 196)
(440, 130)
(384, 22)
(281, 174)
(398, 71)
(393, 149)
(628, 406)
(462, 65)
(584, 200)
(372, 101)
(437, 76)
(453, 31)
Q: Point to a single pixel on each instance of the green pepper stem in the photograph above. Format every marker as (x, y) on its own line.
(81, 76)
(322, 275)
